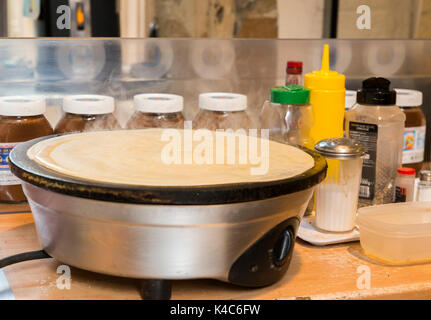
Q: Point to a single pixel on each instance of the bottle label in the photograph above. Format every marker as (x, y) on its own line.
(6, 176)
(366, 134)
(400, 194)
(413, 144)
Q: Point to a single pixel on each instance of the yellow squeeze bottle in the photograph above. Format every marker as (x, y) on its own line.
(327, 98)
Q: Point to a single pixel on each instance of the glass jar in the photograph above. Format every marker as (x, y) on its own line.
(288, 116)
(337, 196)
(405, 184)
(220, 110)
(378, 124)
(21, 119)
(157, 110)
(294, 72)
(410, 102)
(424, 186)
(87, 113)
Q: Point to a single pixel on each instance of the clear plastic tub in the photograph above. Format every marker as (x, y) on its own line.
(398, 233)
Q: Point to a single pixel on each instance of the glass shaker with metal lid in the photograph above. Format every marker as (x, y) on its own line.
(424, 186)
(337, 197)
(288, 116)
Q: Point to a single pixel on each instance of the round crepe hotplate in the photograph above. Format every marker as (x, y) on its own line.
(30, 171)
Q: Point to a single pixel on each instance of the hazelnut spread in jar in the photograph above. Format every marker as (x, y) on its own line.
(87, 113)
(220, 110)
(409, 101)
(21, 119)
(157, 110)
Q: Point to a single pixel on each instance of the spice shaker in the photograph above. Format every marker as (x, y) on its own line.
(405, 185)
(157, 110)
(337, 197)
(288, 116)
(424, 186)
(377, 123)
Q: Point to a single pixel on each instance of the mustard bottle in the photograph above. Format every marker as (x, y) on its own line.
(327, 98)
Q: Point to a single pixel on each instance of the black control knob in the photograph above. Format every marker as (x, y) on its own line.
(267, 260)
(282, 247)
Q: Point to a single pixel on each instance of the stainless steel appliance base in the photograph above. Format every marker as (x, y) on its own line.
(158, 241)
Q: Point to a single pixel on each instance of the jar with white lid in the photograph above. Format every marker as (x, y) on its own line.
(157, 110)
(337, 197)
(87, 113)
(21, 119)
(410, 101)
(222, 110)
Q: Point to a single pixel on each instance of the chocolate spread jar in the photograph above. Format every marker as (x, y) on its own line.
(21, 119)
(87, 113)
(410, 102)
(157, 110)
(222, 110)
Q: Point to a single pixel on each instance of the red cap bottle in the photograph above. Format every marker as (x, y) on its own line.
(294, 72)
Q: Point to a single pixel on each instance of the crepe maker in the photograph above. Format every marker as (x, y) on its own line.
(241, 233)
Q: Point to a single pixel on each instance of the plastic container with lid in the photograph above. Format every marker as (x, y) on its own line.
(157, 110)
(337, 197)
(405, 185)
(293, 72)
(397, 233)
(410, 102)
(327, 98)
(424, 186)
(21, 119)
(288, 116)
(222, 110)
(87, 113)
(378, 124)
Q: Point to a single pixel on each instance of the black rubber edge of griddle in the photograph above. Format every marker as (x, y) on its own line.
(33, 173)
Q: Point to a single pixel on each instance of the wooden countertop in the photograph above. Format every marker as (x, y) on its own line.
(315, 273)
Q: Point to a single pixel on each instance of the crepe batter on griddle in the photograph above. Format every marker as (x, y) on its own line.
(133, 157)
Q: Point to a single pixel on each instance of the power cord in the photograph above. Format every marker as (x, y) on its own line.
(25, 256)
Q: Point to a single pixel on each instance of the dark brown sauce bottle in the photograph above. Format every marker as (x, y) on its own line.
(409, 102)
(18, 124)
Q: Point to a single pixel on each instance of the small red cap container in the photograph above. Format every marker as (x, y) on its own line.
(407, 171)
(294, 67)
